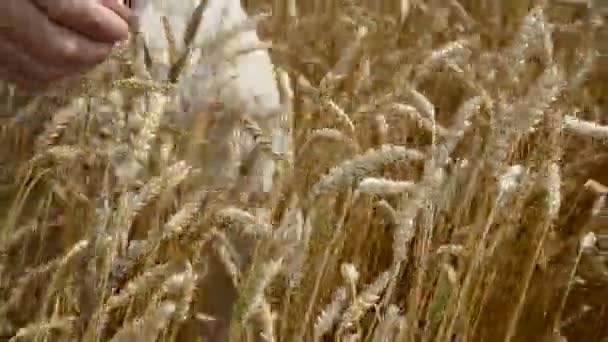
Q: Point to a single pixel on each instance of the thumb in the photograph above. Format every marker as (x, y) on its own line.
(103, 21)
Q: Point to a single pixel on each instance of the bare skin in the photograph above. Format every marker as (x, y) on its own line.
(42, 41)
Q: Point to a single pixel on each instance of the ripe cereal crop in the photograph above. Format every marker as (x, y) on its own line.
(299, 170)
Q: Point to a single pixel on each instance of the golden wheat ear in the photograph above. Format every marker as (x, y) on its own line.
(170, 40)
(192, 27)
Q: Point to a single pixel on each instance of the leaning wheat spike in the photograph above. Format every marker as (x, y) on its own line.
(170, 35)
(298, 236)
(428, 123)
(587, 242)
(349, 58)
(59, 123)
(186, 287)
(404, 10)
(330, 314)
(184, 217)
(467, 110)
(327, 134)
(530, 33)
(514, 120)
(19, 236)
(540, 96)
(554, 192)
(382, 186)
(41, 329)
(140, 284)
(364, 301)
(194, 23)
(380, 129)
(389, 213)
(252, 292)
(140, 57)
(269, 271)
(361, 166)
(431, 180)
(76, 253)
(387, 326)
(351, 276)
(330, 107)
(172, 177)
(424, 106)
(433, 177)
(148, 326)
(152, 120)
(21, 287)
(228, 256)
(140, 85)
(585, 128)
(261, 323)
(192, 27)
(58, 154)
(243, 221)
(148, 280)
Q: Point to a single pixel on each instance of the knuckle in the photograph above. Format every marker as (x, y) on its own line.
(70, 50)
(75, 53)
(57, 8)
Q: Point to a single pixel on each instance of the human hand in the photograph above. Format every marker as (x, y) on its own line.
(47, 40)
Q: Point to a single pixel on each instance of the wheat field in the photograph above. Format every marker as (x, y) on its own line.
(404, 170)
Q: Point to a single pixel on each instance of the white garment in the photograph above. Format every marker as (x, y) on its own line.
(245, 83)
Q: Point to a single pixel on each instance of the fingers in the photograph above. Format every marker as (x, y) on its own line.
(42, 41)
(121, 9)
(28, 73)
(22, 69)
(100, 21)
(31, 30)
